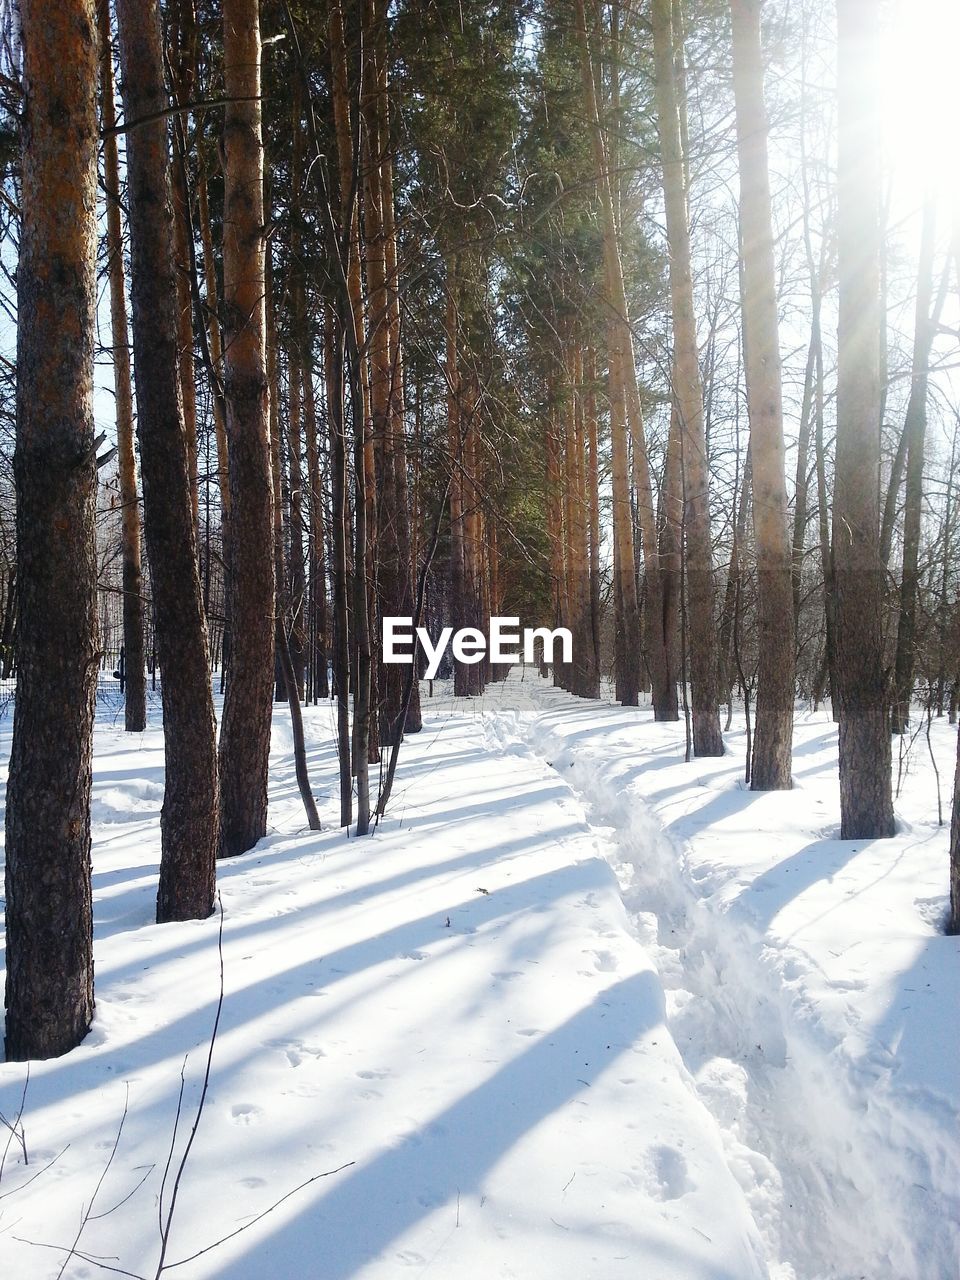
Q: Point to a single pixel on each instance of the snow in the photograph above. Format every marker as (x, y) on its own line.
(577, 1010)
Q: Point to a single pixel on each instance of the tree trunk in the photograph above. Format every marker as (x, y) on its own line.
(364, 725)
(866, 803)
(593, 481)
(455, 461)
(664, 613)
(390, 571)
(189, 820)
(915, 431)
(413, 721)
(773, 735)
(284, 658)
(953, 924)
(49, 927)
(624, 413)
(298, 575)
(802, 487)
(216, 351)
(250, 583)
(704, 672)
(181, 51)
(320, 681)
(135, 683)
(340, 529)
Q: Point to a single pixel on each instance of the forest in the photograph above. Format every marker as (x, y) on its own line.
(346, 348)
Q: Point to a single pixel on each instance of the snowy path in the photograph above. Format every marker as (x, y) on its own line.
(462, 1011)
(813, 1001)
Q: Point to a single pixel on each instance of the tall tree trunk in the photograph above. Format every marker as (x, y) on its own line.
(49, 926)
(365, 729)
(298, 576)
(284, 658)
(915, 430)
(704, 672)
(458, 615)
(183, 36)
(390, 571)
(135, 682)
(866, 803)
(190, 815)
(585, 653)
(953, 924)
(802, 487)
(624, 413)
(250, 585)
(943, 602)
(340, 529)
(320, 681)
(773, 735)
(593, 482)
(670, 544)
(216, 349)
(413, 721)
(554, 517)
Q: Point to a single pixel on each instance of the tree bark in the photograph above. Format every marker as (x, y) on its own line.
(365, 727)
(866, 803)
(704, 672)
(953, 924)
(182, 56)
(216, 350)
(284, 658)
(624, 415)
(250, 582)
(915, 431)
(49, 927)
(190, 815)
(135, 682)
(340, 531)
(298, 577)
(320, 680)
(773, 735)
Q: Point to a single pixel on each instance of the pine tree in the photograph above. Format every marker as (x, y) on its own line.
(189, 821)
(49, 925)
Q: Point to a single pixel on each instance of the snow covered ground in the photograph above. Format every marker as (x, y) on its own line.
(578, 1010)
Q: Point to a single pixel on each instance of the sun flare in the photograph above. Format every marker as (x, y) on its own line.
(921, 54)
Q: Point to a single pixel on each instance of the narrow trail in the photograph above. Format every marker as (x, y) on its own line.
(792, 1124)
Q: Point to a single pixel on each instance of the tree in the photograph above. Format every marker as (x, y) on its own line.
(953, 923)
(189, 822)
(135, 682)
(49, 926)
(915, 430)
(773, 740)
(248, 699)
(624, 412)
(866, 803)
(688, 393)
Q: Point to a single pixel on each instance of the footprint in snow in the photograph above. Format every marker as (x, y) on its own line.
(671, 1179)
(605, 961)
(373, 1075)
(246, 1113)
(295, 1050)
